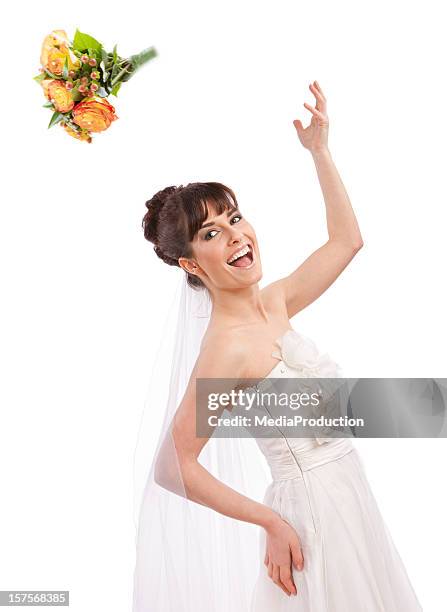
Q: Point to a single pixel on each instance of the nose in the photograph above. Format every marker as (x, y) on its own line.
(235, 235)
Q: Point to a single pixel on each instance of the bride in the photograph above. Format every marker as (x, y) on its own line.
(324, 546)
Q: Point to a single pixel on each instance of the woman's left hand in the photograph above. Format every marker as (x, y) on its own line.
(315, 136)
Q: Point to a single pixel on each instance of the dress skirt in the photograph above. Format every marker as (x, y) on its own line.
(350, 561)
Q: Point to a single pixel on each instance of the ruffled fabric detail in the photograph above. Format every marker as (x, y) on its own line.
(301, 353)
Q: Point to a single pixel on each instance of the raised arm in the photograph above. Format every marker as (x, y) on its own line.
(307, 282)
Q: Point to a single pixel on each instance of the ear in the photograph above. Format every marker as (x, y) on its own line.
(188, 265)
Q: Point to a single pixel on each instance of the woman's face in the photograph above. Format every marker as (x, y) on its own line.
(226, 251)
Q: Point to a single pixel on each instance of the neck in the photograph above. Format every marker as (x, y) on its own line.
(238, 307)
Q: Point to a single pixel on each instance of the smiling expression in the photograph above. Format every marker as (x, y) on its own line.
(226, 250)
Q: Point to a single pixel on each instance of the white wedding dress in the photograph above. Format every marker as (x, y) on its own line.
(319, 487)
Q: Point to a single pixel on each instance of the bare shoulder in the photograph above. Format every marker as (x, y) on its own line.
(222, 355)
(274, 298)
(219, 357)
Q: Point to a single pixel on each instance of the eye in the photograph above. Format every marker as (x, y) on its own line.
(207, 235)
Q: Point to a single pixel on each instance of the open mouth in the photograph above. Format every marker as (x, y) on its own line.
(242, 259)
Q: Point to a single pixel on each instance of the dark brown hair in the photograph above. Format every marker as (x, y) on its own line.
(175, 215)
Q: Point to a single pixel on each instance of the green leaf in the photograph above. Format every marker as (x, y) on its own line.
(104, 55)
(115, 89)
(40, 77)
(53, 76)
(96, 53)
(144, 56)
(48, 105)
(76, 95)
(65, 68)
(115, 70)
(115, 53)
(56, 118)
(83, 41)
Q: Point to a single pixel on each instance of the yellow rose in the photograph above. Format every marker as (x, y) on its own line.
(55, 49)
(60, 96)
(83, 135)
(56, 38)
(94, 114)
(55, 61)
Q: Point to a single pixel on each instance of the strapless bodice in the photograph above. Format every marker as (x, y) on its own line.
(299, 357)
(288, 457)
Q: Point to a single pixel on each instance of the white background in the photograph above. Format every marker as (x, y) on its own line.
(84, 296)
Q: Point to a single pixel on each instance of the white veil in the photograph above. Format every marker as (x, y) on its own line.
(190, 558)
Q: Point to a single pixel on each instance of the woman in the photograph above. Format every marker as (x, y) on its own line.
(324, 545)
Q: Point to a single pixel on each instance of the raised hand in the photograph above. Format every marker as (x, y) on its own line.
(315, 136)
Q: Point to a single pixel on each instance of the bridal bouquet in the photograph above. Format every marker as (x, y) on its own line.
(77, 78)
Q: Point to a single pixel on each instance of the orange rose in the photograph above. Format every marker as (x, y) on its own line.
(45, 83)
(60, 96)
(94, 114)
(55, 50)
(82, 135)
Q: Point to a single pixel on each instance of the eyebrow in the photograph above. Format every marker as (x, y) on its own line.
(229, 213)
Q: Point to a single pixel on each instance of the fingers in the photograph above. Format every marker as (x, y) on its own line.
(298, 125)
(297, 556)
(282, 577)
(277, 580)
(317, 85)
(315, 112)
(285, 575)
(319, 111)
(321, 100)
